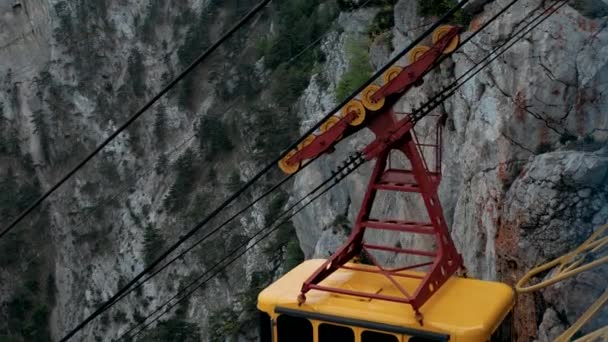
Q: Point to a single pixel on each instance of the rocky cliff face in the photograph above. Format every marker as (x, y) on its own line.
(72, 72)
(524, 163)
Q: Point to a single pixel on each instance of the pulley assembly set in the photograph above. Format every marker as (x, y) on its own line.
(373, 109)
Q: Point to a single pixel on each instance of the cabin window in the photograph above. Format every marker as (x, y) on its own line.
(332, 333)
(265, 327)
(372, 336)
(293, 329)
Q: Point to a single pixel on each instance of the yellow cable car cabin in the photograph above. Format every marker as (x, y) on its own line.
(462, 310)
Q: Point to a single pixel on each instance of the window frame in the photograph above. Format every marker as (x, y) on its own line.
(311, 322)
(380, 327)
(318, 324)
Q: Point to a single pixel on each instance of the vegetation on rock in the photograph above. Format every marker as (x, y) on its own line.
(359, 69)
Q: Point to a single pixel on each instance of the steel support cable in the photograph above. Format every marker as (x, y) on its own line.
(125, 188)
(151, 269)
(352, 160)
(177, 148)
(348, 167)
(463, 43)
(480, 29)
(289, 62)
(135, 116)
(527, 28)
(262, 172)
(254, 11)
(204, 238)
(317, 40)
(451, 89)
(378, 74)
(494, 55)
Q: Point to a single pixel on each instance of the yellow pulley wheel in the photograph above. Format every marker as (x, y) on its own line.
(331, 122)
(356, 107)
(287, 167)
(307, 141)
(442, 31)
(416, 53)
(391, 73)
(366, 98)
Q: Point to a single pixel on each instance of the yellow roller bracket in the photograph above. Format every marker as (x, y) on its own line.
(354, 106)
(416, 53)
(287, 167)
(366, 98)
(440, 32)
(331, 122)
(307, 141)
(391, 73)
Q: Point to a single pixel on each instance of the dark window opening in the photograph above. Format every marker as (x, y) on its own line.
(265, 327)
(372, 336)
(293, 329)
(333, 333)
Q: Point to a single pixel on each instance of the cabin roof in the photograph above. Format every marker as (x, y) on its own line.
(462, 306)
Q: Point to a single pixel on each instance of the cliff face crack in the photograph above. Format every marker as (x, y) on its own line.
(493, 168)
(548, 71)
(493, 80)
(549, 122)
(516, 143)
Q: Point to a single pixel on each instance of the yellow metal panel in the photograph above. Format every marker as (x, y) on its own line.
(466, 309)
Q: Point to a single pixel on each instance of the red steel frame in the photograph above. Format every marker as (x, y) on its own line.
(393, 134)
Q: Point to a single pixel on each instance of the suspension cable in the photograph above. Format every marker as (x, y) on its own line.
(346, 169)
(256, 177)
(137, 114)
(528, 27)
(129, 290)
(451, 89)
(291, 61)
(190, 137)
(450, 93)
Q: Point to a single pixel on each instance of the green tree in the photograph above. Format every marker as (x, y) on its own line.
(153, 244)
(427, 8)
(359, 69)
(137, 71)
(213, 137)
(184, 179)
(42, 130)
(222, 324)
(173, 330)
(160, 125)
(161, 164)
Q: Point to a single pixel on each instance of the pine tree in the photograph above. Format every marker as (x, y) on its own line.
(153, 244)
(160, 123)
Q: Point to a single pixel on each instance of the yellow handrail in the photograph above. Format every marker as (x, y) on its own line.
(594, 336)
(570, 265)
(593, 309)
